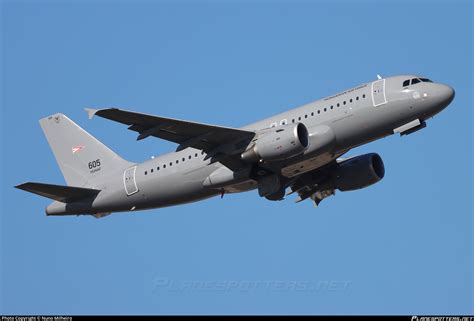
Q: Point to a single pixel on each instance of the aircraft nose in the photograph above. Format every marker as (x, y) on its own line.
(444, 95)
(447, 94)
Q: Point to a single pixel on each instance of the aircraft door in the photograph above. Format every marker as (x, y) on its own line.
(378, 93)
(129, 180)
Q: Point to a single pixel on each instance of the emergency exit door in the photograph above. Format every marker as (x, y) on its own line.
(378, 93)
(129, 180)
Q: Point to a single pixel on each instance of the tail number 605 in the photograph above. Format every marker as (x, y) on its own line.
(94, 164)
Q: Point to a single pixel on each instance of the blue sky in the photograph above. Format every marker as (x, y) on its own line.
(403, 246)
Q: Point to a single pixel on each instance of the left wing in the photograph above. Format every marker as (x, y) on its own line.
(214, 140)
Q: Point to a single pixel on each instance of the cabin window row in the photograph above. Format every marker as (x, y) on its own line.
(329, 108)
(183, 159)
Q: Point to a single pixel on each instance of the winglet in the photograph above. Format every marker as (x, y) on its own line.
(91, 112)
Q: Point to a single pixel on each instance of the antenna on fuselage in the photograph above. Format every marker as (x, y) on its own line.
(379, 77)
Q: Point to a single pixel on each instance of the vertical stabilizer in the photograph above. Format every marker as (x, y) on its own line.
(80, 156)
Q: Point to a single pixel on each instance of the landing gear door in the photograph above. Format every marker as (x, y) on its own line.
(129, 180)
(378, 93)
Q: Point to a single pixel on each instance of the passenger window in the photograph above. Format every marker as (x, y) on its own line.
(183, 159)
(305, 116)
(299, 118)
(177, 161)
(319, 111)
(350, 100)
(293, 120)
(344, 102)
(151, 170)
(406, 83)
(146, 172)
(363, 96)
(325, 109)
(338, 104)
(158, 168)
(171, 163)
(357, 98)
(196, 155)
(312, 113)
(332, 107)
(415, 81)
(189, 156)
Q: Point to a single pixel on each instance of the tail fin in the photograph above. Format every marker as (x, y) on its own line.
(80, 156)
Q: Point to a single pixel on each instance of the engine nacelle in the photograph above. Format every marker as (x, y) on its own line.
(358, 172)
(321, 139)
(280, 143)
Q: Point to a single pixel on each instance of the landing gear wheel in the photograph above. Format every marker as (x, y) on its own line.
(278, 196)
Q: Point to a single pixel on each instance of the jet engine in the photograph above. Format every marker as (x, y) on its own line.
(280, 143)
(358, 172)
(321, 139)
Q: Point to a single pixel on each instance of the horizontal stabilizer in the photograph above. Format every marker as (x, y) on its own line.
(65, 194)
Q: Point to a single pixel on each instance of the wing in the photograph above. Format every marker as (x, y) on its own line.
(182, 132)
(216, 141)
(314, 185)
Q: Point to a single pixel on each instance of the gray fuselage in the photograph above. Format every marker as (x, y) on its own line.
(356, 116)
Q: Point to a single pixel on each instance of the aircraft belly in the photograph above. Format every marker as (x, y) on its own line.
(307, 165)
(174, 189)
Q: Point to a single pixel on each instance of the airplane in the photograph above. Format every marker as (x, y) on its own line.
(298, 150)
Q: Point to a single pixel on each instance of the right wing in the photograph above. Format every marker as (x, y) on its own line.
(313, 185)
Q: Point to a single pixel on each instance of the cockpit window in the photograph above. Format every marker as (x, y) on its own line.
(415, 81)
